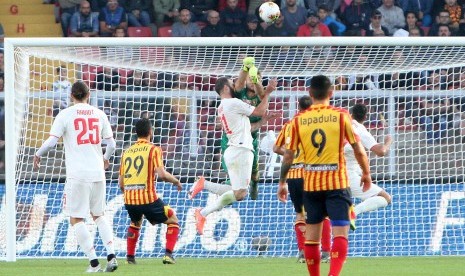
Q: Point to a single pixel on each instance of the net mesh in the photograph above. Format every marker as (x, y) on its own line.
(413, 93)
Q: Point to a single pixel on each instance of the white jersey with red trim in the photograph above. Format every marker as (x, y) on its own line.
(83, 127)
(368, 141)
(234, 115)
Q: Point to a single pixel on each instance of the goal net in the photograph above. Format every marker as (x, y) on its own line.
(412, 87)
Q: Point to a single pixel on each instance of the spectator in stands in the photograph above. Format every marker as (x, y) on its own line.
(313, 22)
(84, 23)
(112, 16)
(393, 16)
(68, 8)
(107, 80)
(2, 36)
(185, 28)
(165, 11)
(97, 5)
(415, 32)
(456, 14)
(279, 28)
(336, 27)
(2, 82)
(214, 28)
(333, 5)
(423, 8)
(294, 16)
(233, 18)
(150, 81)
(135, 81)
(61, 90)
(361, 82)
(253, 28)
(375, 25)
(241, 4)
(411, 21)
(302, 3)
(2, 62)
(138, 15)
(119, 32)
(356, 16)
(443, 18)
(444, 30)
(199, 8)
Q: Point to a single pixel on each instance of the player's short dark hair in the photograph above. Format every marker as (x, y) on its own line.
(305, 102)
(79, 90)
(143, 127)
(59, 68)
(359, 112)
(320, 87)
(220, 83)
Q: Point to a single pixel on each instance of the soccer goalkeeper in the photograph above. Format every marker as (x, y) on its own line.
(249, 89)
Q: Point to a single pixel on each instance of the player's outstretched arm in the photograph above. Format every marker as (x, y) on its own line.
(270, 115)
(166, 176)
(121, 183)
(46, 146)
(262, 108)
(247, 63)
(382, 149)
(362, 159)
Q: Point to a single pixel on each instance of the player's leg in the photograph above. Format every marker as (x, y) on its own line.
(239, 162)
(212, 187)
(76, 204)
(172, 233)
(132, 237)
(315, 202)
(326, 241)
(254, 178)
(338, 204)
(97, 209)
(372, 199)
(296, 194)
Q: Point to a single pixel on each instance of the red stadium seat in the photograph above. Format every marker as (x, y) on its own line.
(123, 75)
(139, 32)
(164, 31)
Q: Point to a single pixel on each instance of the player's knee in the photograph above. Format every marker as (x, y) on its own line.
(240, 194)
(386, 196)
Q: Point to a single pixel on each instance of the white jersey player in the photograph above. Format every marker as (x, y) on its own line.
(238, 157)
(84, 128)
(375, 197)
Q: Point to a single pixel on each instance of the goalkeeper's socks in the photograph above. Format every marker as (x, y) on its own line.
(84, 240)
(106, 234)
(338, 255)
(171, 237)
(312, 256)
(131, 240)
(299, 234)
(326, 235)
(224, 200)
(370, 204)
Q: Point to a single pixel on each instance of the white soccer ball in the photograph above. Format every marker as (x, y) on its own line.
(269, 12)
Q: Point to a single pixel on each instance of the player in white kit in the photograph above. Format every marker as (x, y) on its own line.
(376, 197)
(84, 128)
(238, 157)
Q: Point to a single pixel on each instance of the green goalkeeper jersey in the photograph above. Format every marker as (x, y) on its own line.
(253, 101)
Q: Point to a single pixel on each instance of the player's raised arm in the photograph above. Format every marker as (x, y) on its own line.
(382, 149)
(262, 108)
(240, 83)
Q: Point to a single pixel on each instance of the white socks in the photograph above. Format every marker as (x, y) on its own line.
(106, 234)
(216, 188)
(224, 200)
(84, 240)
(370, 204)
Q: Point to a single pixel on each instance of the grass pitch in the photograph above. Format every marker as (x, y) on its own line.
(393, 266)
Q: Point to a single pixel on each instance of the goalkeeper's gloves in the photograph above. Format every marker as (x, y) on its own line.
(253, 74)
(248, 63)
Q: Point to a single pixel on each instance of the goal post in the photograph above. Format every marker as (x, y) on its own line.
(413, 87)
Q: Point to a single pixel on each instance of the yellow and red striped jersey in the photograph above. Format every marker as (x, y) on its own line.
(138, 165)
(297, 169)
(322, 131)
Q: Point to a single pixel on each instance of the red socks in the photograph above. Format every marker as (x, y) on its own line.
(299, 233)
(132, 238)
(171, 237)
(312, 256)
(326, 236)
(338, 255)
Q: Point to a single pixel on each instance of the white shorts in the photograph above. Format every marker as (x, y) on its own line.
(355, 178)
(82, 198)
(239, 163)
